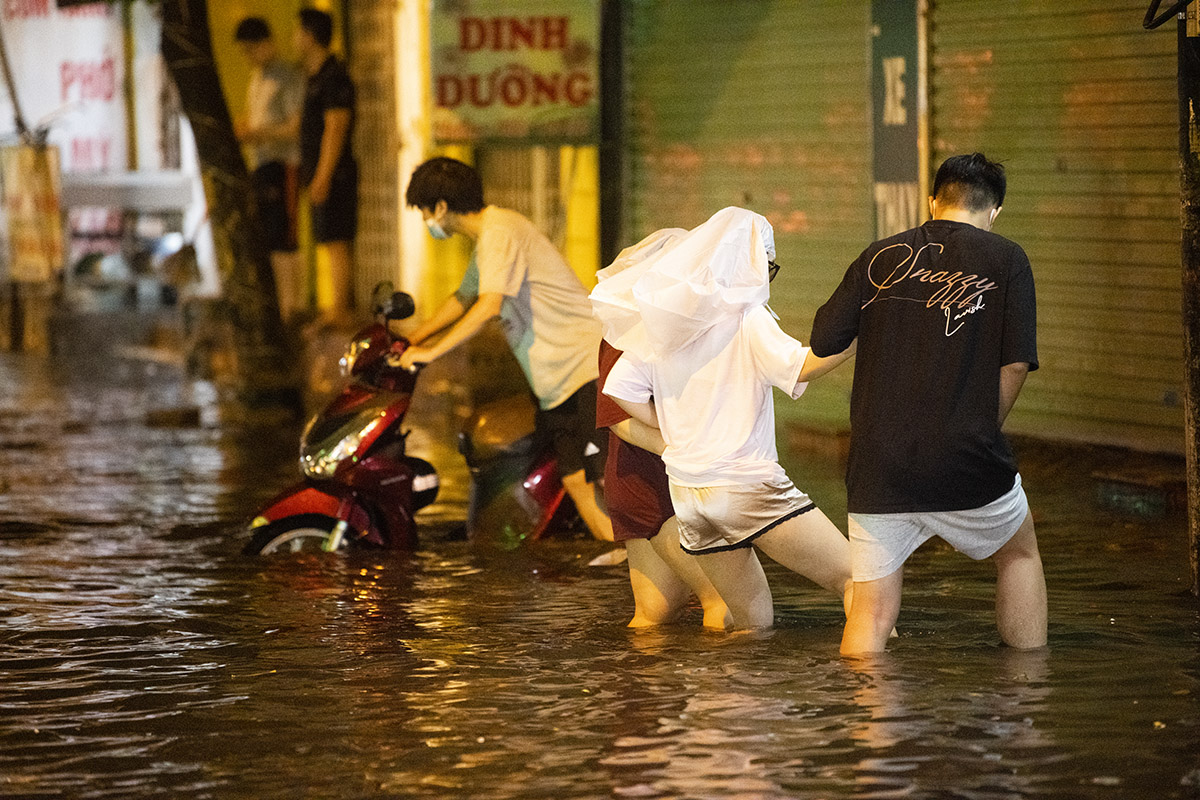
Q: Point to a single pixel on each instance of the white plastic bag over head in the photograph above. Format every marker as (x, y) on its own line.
(613, 302)
(665, 291)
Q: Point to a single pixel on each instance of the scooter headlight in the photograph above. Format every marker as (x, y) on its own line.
(321, 459)
(323, 463)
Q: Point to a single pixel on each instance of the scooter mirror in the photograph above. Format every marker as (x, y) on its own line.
(381, 295)
(400, 306)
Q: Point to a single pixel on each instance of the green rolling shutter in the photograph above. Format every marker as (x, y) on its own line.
(766, 104)
(1080, 104)
(763, 105)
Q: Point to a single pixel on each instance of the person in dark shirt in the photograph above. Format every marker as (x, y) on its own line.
(945, 318)
(327, 166)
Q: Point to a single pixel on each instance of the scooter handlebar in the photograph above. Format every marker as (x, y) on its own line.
(399, 345)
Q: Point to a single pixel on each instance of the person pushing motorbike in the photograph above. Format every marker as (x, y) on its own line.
(516, 274)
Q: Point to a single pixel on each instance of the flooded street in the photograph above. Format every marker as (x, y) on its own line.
(143, 656)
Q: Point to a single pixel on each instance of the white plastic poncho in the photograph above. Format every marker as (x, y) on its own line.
(663, 292)
(613, 300)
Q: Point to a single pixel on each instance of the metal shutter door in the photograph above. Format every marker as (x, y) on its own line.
(763, 105)
(1080, 104)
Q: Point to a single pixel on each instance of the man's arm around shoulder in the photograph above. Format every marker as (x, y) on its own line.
(815, 366)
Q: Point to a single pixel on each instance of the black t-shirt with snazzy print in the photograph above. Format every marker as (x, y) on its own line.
(937, 310)
(328, 89)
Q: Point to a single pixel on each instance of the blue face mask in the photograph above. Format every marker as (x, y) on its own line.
(435, 229)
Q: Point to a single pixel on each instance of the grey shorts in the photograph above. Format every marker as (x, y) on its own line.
(716, 518)
(881, 543)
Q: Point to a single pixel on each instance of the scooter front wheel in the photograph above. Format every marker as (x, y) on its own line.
(304, 533)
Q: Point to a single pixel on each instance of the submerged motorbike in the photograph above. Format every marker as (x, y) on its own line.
(360, 488)
(516, 494)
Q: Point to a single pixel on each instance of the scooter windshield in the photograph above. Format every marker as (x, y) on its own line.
(341, 436)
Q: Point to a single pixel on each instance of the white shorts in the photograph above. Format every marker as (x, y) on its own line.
(716, 518)
(881, 543)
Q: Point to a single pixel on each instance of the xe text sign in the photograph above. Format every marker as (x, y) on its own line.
(897, 108)
(515, 70)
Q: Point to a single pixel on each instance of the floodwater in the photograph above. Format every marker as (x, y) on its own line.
(142, 656)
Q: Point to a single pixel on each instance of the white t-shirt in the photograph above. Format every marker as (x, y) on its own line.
(713, 399)
(274, 95)
(546, 315)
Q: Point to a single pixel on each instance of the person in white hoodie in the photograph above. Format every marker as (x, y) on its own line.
(701, 353)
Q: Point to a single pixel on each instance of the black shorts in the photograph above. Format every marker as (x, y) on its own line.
(275, 192)
(570, 428)
(336, 220)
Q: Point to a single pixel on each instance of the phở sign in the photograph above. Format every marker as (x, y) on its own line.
(515, 69)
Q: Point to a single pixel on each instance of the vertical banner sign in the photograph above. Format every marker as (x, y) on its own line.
(523, 70)
(897, 108)
(32, 196)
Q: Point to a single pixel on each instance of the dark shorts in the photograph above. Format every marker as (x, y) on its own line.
(276, 191)
(636, 491)
(336, 220)
(570, 428)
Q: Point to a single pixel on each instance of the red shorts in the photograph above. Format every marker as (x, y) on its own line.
(636, 490)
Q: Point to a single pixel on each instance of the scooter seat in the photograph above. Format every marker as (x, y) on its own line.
(500, 428)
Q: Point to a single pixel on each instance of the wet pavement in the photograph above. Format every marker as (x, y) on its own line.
(143, 656)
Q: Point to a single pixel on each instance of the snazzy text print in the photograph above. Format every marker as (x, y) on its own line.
(894, 273)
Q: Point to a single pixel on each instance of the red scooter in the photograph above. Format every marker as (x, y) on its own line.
(360, 488)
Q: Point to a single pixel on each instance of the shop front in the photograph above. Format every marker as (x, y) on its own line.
(779, 107)
(92, 142)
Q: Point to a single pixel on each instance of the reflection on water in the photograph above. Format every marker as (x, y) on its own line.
(143, 657)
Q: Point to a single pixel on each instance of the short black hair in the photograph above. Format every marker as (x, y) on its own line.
(971, 182)
(318, 24)
(252, 29)
(446, 179)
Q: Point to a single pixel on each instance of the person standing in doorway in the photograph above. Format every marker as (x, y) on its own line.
(327, 165)
(945, 318)
(269, 131)
(516, 274)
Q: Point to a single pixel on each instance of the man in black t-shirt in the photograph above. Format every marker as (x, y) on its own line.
(945, 320)
(327, 166)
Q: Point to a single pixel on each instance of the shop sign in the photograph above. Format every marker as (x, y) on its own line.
(515, 70)
(32, 204)
(68, 67)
